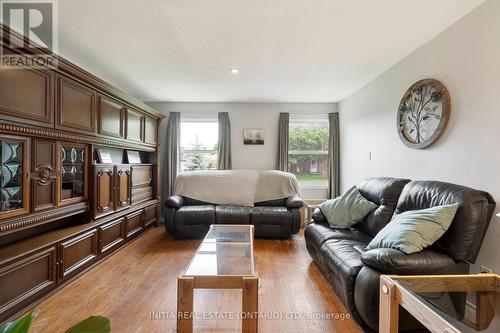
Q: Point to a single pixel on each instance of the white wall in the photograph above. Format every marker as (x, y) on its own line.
(252, 115)
(466, 58)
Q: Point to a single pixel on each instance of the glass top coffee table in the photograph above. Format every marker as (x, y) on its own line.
(224, 260)
(442, 303)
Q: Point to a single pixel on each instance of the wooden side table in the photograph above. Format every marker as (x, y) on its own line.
(418, 294)
(311, 205)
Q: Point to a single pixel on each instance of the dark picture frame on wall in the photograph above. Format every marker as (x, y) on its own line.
(253, 136)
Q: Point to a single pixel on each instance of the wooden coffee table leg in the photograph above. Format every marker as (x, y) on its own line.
(185, 291)
(389, 307)
(250, 306)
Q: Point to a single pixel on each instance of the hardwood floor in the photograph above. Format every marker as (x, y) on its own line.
(142, 296)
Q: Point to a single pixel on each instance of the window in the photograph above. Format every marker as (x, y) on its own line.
(308, 149)
(199, 137)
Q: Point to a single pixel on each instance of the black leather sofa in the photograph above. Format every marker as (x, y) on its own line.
(189, 218)
(354, 272)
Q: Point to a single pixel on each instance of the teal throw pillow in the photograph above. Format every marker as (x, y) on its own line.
(414, 230)
(346, 210)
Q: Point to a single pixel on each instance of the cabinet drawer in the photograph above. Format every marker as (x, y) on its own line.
(26, 279)
(111, 235)
(150, 215)
(141, 175)
(141, 194)
(134, 224)
(77, 253)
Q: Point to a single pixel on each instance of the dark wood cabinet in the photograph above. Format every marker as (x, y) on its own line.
(150, 215)
(24, 279)
(112, 189)
(123, 187)
(76, 106)
(60, 211)
(111, 235)
(135, 126)
(150, 130)
(76, 253)
(43, 174)
(26, 96)
(104, 190)
(111, 117)
(133, 224)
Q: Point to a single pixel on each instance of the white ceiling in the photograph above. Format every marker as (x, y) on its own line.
(286, 50)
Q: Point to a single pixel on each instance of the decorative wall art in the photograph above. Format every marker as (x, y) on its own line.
(253, 136)
(423, 113)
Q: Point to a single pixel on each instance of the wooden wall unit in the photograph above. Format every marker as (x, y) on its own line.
(60, 211)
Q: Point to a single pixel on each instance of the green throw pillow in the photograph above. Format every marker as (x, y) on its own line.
(414, 230)
(346, 210)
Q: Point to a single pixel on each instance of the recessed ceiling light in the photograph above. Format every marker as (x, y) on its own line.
(234, 70)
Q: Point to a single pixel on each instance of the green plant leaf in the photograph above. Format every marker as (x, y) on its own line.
(93, 324)
(21, 325)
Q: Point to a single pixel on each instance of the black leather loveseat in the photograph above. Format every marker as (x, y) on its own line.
(189, 218)
(354, 272)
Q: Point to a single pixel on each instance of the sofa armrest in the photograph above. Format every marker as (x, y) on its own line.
(318, 217)
(294, 202)
(392, 261)
(174, 201)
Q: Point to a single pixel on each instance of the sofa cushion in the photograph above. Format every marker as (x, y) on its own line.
(193, 221)
(342, 257)
(346, 210)
(192, 215)
(271, 215)
(384, 192)
(392, 261)
(232, 214)
(272, 222)
(414, 230)
(466, 232)
(316, 234)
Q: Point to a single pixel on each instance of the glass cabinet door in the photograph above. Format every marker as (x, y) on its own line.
(73, 173)
(14, 189)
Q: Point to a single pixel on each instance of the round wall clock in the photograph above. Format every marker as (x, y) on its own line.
(423, 113)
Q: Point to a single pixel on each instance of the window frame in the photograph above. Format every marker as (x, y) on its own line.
(196, 118)
(312, 119)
